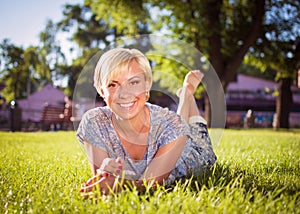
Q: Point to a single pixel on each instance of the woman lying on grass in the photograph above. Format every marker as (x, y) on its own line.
(136, 140)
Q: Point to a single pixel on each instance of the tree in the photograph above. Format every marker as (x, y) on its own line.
(50, 54)
(276, 49)
(126, 17)
(11, 74)
(90, 33)
(224, 30)
(32, 66)
(22, 70)
(233, 27)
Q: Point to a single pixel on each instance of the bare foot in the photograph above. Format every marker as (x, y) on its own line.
(191, 81)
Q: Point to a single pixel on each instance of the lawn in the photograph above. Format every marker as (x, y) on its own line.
(258, 171)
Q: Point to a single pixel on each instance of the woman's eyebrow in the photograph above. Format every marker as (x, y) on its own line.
(136, 76)
(114, 81)
(139, 76)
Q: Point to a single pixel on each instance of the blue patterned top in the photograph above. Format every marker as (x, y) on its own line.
(165, 126)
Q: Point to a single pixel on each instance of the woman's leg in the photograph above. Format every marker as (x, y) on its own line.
(199, 155)
(187, 106)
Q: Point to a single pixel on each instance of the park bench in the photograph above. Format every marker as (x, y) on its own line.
(56, 118)
(234, 120)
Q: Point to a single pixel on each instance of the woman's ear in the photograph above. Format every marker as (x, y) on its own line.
(101, 92)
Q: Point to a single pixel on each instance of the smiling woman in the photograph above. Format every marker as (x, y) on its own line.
(135, 139)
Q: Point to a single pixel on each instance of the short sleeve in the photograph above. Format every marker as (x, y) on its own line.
(171, 126)
(91, 129)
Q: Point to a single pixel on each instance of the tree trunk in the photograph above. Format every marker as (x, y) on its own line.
(226, 69)
(283, 103)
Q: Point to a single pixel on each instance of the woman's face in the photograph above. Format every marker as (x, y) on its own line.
(126, 94)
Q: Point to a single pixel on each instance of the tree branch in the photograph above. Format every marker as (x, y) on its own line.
(212, 12)
(237, 59)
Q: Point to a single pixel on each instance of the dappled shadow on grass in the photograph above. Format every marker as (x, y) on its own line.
(224, 176)
(225, 189)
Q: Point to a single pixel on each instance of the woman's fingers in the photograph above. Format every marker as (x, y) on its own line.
(92, 186)
(121, 164)
(120, 161)
(102, 173)
(105, 176)
(93, 182)
(95, 178)
(103, 185)
(113, 166)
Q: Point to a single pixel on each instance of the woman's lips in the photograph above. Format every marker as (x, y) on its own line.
(127, 105)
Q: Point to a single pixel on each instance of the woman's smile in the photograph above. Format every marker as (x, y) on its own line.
(127, 106)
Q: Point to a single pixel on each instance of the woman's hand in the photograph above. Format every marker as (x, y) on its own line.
(111, 166)
(106, 178)
(100, 183)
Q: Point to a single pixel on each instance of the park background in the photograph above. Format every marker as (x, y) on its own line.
(254, 48)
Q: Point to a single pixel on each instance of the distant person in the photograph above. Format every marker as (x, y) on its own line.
(133, 138)
(249, 119)
(275, 121)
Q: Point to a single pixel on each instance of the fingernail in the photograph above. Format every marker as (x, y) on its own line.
(118, 171)
(120, 167)
(106, 175)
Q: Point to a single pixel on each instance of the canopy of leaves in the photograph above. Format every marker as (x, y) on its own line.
(223, 30)
(126, 17)
(276, 46)
(23, 71)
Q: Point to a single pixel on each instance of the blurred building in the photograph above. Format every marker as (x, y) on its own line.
(258, 95)
(33, 105)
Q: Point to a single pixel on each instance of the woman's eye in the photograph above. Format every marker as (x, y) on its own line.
(112, 85)
(135, 82)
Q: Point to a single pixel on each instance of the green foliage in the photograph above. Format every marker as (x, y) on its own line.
(126, 17)
(50, 54)
(259, 70)
(257, 172)
(77, 68)
(24, 70)
(276, 46)
(21, 70)
(11, 74)
(88, 31)
(223, 30)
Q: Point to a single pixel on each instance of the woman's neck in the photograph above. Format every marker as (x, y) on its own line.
(134, 126)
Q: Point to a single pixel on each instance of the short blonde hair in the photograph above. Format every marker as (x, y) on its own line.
(116, 61)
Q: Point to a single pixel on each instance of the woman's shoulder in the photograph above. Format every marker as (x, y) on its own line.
(161, 115)
(97, 113)
(156, 109)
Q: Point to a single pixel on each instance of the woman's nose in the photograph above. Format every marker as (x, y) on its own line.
(123, 92)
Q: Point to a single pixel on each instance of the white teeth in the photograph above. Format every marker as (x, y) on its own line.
(126, 105)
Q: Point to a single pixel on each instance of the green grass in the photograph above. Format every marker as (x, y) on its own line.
(258, 171)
